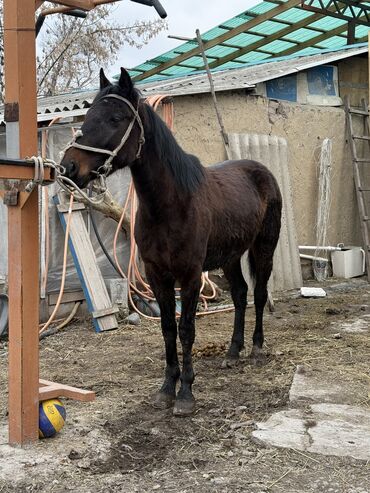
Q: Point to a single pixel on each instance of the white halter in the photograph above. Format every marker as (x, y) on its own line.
(107, 166)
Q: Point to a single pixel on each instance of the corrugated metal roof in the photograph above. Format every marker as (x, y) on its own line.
(77, 103)
(273, 28)
(248, 76)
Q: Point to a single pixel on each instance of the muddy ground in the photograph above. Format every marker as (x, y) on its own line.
(119, 443)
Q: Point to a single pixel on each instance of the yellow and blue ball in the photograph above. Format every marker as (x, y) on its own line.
(52, 415)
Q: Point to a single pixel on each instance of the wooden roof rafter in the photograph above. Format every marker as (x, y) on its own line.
(269, 39)
(280, 35)
(339, 31)
(272, 28)
(258, 19)
(358, 11)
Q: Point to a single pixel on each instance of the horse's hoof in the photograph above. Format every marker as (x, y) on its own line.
(257, 356)
(184, 407)
(161, 400)
(230, 362)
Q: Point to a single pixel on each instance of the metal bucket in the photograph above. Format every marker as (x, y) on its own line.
(4, 311)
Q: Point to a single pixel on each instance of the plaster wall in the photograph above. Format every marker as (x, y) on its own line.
(353, 77)
(304, 127)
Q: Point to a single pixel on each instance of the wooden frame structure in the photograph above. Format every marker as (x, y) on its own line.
(25, 388)
(340, 10)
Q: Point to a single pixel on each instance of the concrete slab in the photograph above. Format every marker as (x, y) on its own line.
(284, 429)
(328, 429)
(341, 430)
(316, 386)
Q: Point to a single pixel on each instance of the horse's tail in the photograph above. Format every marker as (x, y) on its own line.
(252, 267)
(268, 236)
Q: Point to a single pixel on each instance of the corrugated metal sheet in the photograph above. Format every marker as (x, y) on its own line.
(250, 75)
(226, 80)
(272, 151)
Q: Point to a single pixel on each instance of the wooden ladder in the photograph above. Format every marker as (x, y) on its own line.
(361, 166)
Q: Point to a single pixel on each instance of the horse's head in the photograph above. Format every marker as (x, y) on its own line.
(111, 136)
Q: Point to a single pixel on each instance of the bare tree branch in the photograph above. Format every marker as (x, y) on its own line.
(71, 51)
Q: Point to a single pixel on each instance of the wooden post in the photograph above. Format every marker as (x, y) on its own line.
(368, 70)
(23, 241)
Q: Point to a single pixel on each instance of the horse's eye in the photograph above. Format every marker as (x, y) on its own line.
(116, 118)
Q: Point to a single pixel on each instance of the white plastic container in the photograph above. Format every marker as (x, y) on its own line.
(349, 262)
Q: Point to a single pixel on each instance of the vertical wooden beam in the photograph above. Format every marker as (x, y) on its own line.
(351, 32)
(368, 61)
(20, 101)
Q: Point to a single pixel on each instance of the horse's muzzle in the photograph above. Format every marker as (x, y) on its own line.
(71, 168)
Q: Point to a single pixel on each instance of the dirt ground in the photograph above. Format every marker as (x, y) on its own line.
(119, 443)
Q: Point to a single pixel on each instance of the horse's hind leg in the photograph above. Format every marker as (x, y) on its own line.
(238, 289)
(260, 259)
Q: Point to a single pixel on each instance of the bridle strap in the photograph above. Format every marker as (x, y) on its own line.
(107, 166)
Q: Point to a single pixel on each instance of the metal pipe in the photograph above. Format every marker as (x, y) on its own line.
(312, 257)
(182, 38)
(325, 248)
(16, 162)
(62, 10)
(81, 14)
(39, 23)
(153, 3)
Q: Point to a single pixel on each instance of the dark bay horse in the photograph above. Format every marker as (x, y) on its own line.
(190, 219)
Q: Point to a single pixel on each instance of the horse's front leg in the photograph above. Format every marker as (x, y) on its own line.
(185, 402)
(163, 286)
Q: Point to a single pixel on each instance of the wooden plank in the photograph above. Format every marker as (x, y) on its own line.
(77, 206)
(23, 237)
(91, 279)
(8, 172)
(77, 4)
(68, 297)
(105, 312)
(358, 112)
(51, 390)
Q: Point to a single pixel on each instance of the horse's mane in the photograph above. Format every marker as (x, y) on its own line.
(186, 169)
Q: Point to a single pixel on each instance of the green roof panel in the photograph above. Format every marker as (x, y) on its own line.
(254, 36)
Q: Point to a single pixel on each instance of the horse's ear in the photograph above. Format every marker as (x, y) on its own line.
(104, 82)
(125, 82)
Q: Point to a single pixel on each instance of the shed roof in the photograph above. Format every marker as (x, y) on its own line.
(249, 75)
(272, 28)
